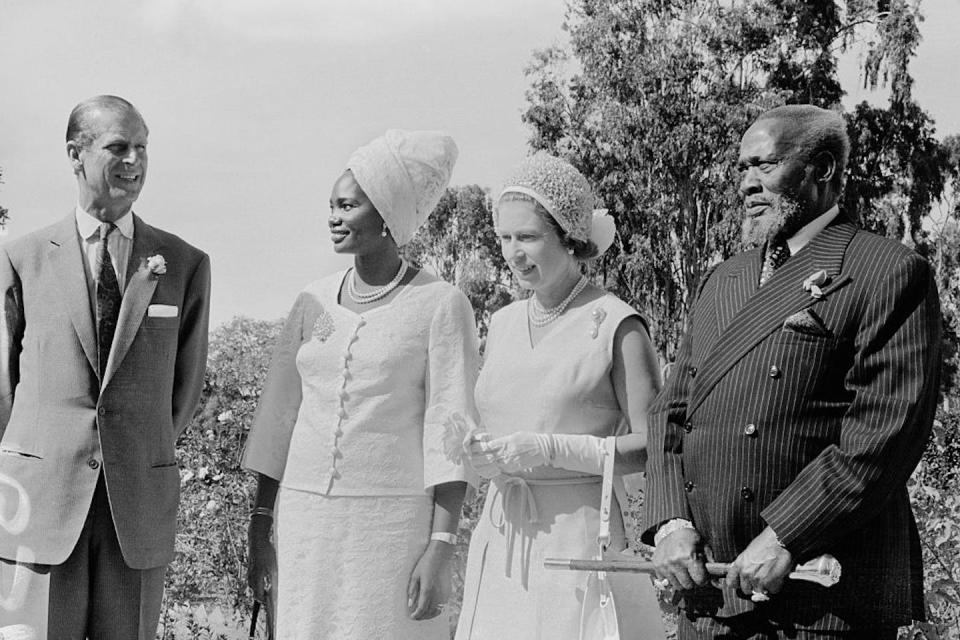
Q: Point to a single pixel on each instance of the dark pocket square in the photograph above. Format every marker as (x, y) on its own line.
(806, 322)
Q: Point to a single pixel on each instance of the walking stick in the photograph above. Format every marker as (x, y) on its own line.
(823, 570)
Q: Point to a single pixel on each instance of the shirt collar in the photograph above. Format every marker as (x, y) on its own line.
(90, 226)
(801, 238)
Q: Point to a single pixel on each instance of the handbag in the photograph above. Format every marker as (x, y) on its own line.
(599, 619)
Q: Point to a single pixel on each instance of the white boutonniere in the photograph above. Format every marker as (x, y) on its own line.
(157, 265)
(813, 283)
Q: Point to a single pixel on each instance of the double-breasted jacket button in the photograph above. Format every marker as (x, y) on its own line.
(688, 486)
(750, 429)
(775, 371)
(93, 464)
(692, 370)
(688, 426)
(101, 411)
(747, 494)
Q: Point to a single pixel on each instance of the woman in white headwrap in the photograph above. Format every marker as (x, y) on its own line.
(563, 370)
(370, 364)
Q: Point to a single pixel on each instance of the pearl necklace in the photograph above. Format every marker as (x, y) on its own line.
(376, 294)
(541, 317)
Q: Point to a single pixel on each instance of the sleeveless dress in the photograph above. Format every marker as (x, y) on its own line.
(561, 385)
(351, 422)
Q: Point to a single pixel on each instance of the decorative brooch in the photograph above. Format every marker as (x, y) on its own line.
(323, 327)
(598, 316)
(813, 283)
(157, 265)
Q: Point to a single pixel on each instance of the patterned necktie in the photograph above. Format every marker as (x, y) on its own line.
(108, 298)
(777, 254)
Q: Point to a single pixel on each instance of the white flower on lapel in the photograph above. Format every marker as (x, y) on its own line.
(814, 282)
(157, 265)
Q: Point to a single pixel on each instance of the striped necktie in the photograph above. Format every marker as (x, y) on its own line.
(777, 254)
(108, 298)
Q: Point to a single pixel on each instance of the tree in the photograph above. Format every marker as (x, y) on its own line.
(898, 167)
(945, 257)
(458, 242)
(4, 214)
(663, 90)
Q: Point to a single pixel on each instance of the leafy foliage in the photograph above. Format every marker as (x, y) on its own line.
(945, 257)
(4, 213)
(459, 244)
(661, 92)
(936, 504)
(208, 573)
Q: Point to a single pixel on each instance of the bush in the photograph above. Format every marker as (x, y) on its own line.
(206, 595)
(936, 504)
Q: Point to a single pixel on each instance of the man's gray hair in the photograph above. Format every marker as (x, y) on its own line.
(78, 125)
(815, 130)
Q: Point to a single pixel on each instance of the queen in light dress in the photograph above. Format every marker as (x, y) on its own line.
(370, 364)
(563, 370)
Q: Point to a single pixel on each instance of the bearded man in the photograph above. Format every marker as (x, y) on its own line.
(801, 401)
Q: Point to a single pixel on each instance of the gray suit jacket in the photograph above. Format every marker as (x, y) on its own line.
(61, 426)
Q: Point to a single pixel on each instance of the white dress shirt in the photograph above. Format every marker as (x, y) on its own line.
(119, 243)
(801, 238)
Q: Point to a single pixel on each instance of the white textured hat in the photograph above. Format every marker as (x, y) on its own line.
(404, 173)
(565, 194)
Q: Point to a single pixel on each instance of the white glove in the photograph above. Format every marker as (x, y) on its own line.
(578, 452)
(525, 450)
(508, 454)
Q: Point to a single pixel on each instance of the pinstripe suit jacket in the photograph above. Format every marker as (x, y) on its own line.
(61, 426)
(815, 433)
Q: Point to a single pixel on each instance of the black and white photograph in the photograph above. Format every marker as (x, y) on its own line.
(461, 320)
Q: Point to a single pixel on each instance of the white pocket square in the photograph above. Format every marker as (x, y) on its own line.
(162, 311)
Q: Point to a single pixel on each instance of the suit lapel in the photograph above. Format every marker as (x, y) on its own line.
(736, 287)
(136, 297)
(67, 261)
(764, 312)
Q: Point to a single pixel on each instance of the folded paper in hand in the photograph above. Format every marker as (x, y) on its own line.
(162, 311)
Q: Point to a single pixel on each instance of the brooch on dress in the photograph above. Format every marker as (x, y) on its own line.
(323, 327)
(598, 316)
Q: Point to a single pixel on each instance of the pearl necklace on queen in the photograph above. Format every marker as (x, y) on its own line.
(376, 294)
(541, 316)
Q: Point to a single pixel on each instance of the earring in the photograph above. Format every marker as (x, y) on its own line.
(384, 232)
(570, 251)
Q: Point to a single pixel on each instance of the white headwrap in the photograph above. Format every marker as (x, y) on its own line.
(566, 195)
(404, 173)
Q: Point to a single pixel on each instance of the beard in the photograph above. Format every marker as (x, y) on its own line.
(784, 217)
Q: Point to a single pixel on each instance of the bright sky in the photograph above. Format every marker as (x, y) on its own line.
(254, 106)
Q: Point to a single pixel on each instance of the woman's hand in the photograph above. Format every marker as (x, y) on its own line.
(430, 583)
(261, 560)
(508, 454)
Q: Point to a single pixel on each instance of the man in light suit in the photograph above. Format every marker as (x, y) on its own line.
(801, 401)
(103, 343)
